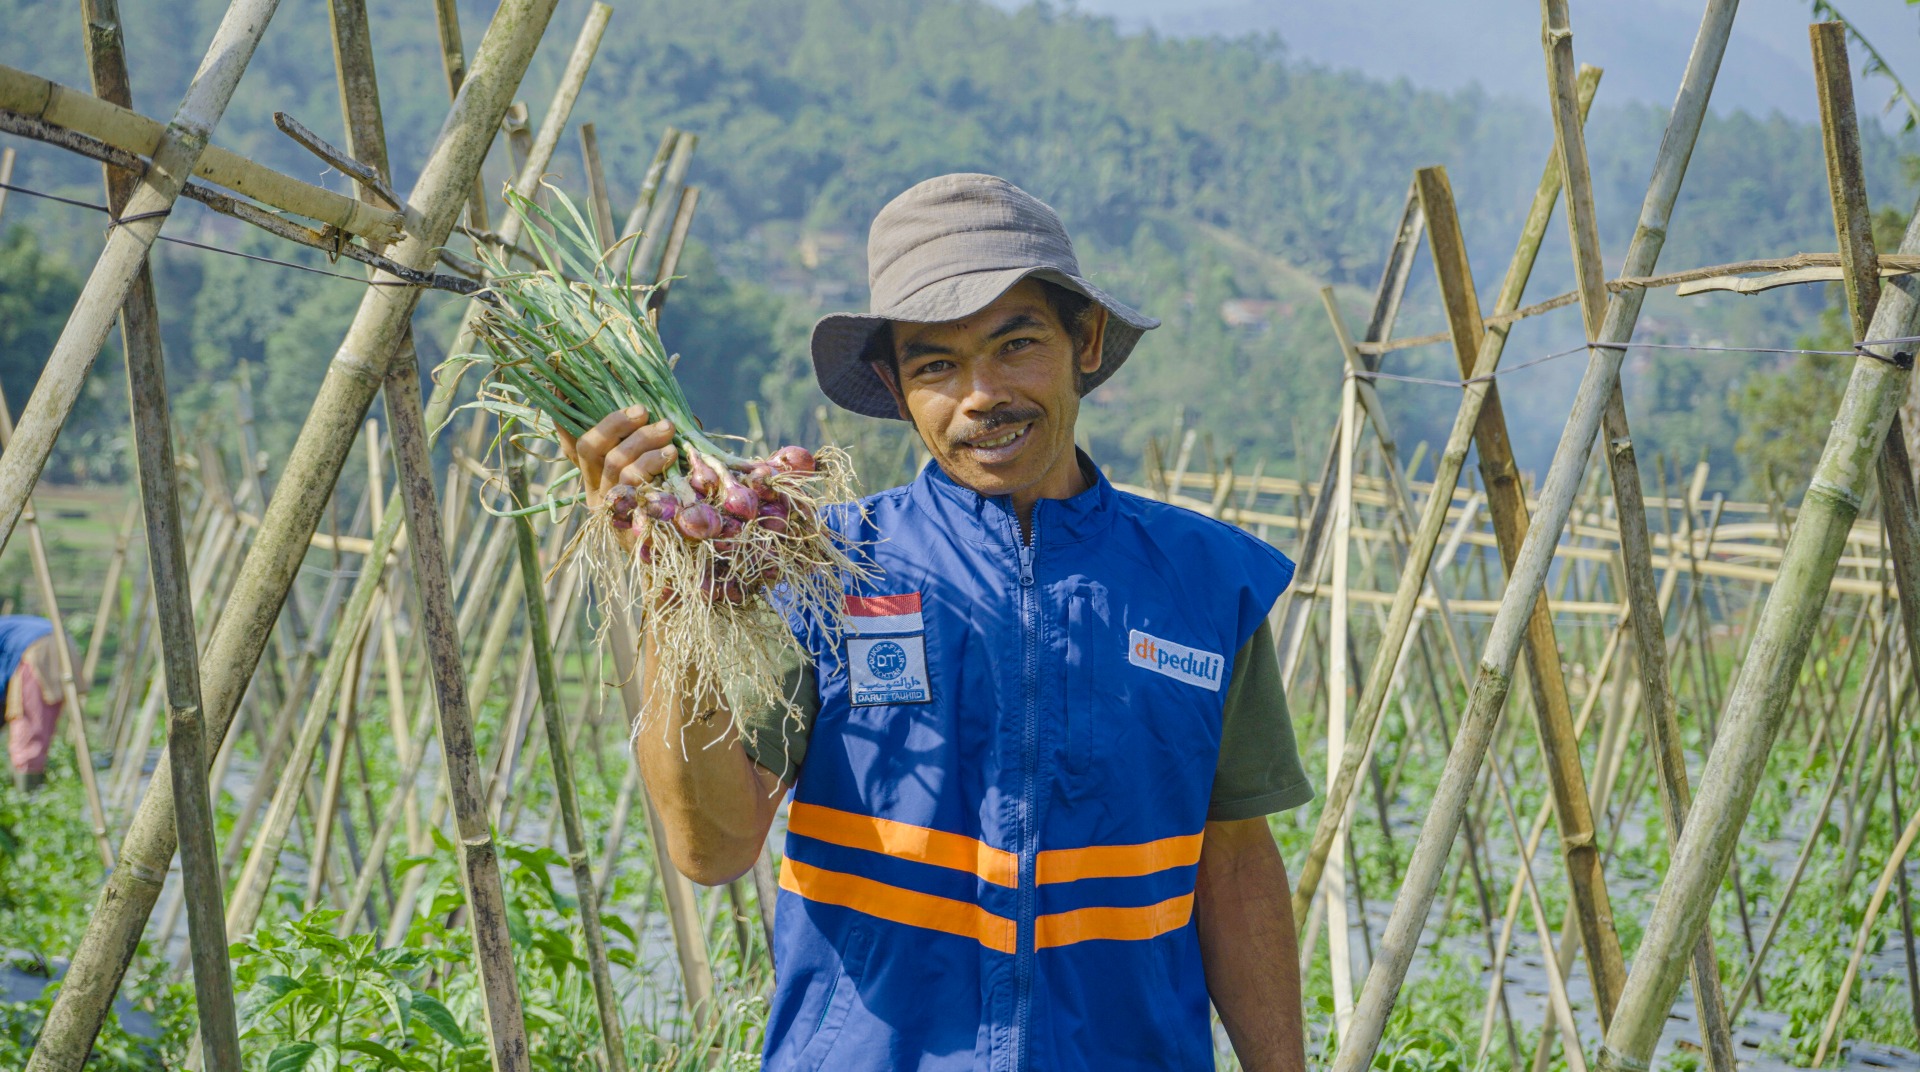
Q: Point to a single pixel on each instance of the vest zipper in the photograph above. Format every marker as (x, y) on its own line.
(1024, 946)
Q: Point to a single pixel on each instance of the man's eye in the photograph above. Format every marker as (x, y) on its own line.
(1016, 345)
(932, 367)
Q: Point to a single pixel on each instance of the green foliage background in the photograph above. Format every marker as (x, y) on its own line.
(1192, 172)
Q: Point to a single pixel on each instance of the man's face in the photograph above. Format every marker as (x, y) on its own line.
(994, 396)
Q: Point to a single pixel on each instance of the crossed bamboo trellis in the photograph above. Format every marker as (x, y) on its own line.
(313, 686)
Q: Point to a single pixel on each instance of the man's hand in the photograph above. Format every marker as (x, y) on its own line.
(621, 449)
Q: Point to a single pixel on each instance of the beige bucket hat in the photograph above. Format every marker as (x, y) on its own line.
(943, 250)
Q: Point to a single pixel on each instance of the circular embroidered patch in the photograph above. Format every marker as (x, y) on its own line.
(887, 660)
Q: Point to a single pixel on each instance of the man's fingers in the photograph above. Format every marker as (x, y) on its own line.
(590, 451)
(647, 466)
(630, 451)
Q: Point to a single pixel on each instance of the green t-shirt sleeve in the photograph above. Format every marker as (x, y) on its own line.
(1260, 771)
(775, 736)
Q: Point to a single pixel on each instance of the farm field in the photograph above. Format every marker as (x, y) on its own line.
(1613, 756)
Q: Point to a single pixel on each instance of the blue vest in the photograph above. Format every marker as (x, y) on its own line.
(992, 843)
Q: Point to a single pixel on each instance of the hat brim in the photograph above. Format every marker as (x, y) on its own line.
(840, 339)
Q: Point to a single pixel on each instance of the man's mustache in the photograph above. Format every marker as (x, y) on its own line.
(997, 420)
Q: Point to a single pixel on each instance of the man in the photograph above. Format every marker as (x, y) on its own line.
(30, 678)
(1030, 784)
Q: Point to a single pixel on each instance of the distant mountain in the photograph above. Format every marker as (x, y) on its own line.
(1495, 44)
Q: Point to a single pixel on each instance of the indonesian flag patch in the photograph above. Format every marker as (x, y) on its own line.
(875, 615)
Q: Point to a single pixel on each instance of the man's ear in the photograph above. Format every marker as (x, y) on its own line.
(884, 370)
(1094, 352)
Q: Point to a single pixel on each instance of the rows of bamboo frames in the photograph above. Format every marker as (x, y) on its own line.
(1630, 610)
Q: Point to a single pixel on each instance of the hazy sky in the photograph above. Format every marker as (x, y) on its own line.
(1643, 44)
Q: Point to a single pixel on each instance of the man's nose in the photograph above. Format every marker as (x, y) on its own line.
(987, 389)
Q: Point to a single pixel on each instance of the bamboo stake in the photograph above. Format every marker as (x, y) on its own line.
(676, 241)
(650, 184)
(1386, 308)
(453, 63)
(1433, 520)
(268, 571)
(683, 912)
(345, 719)
(35, 98)
(1894, 861)
(1529, 573)
(1336, 892)
(578, 858)
(1761, 693)
(1852, 221)
(480, 868)
(1631, 516)
(599, 204)
(644, 260)
(1506, 506)
(109, 589)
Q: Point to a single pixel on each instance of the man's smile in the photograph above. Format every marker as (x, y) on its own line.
(998, 446)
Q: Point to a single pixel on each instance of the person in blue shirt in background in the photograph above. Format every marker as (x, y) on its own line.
(30, 676)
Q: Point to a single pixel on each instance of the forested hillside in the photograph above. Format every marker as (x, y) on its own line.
(1195, 172)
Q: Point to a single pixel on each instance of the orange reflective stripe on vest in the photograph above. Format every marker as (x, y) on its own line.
(897, 905)
(1117, 861)
(941, 848)
(1113, 924)
(905, 841)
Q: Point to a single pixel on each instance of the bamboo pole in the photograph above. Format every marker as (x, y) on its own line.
(453, 63)
(578, 856)
(267, 573)
(1433, 519)
(1529, 572)
(1853, 226)
(1631, 516)
(1341, 958)
(676, 241)
(649, 184)
(346, 716)
(1291, 614)
(109, 589)
(480, 868)
(166, 551)
(1762, 691)
(122, 128)
(1506, 506)
(644, 260)
(1895, 859)
(683, 912)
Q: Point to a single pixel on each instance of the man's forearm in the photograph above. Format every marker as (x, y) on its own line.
(1248, 948)
(715, 803)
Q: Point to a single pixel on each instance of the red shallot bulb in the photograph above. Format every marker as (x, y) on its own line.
(701, 477)
(621, 501)
(759, 477)
(739, 501)
(773, 516)
(699, 522)
(792, 459)
(661, 505)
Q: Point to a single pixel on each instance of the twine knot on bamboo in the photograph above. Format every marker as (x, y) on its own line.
(157, 214)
